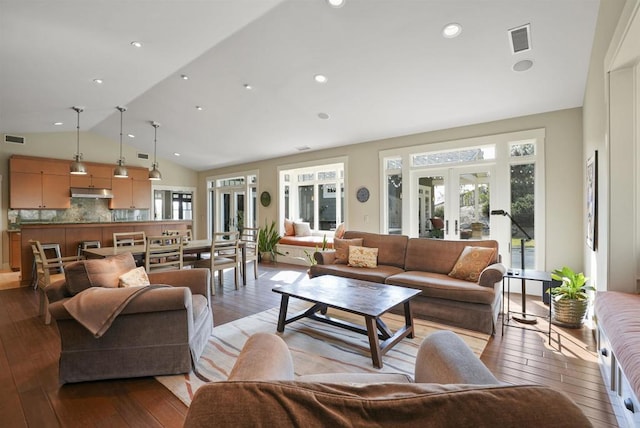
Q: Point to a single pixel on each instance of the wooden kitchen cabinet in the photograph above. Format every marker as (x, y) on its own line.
(133, 192)
(39, 191)
(14, 250)
(99, 176)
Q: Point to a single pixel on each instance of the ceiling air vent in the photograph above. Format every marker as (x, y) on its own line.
(143, 155)
(520, 39)
(13, 139)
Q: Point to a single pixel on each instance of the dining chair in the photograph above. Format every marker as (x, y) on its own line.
(225, 254)
(44, 265)
(163, 253)
(188, 259)
(128, 238)
(249, 238)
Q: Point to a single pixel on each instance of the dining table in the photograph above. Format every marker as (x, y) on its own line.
(195, 246)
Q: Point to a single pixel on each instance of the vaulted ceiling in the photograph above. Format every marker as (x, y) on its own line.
(389, 70)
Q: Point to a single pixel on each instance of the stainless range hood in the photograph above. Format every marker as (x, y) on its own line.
(91, 192)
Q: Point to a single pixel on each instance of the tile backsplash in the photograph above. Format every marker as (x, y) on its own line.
(82, 210)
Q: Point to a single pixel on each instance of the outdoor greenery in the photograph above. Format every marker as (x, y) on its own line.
(309, 255)
(573, 285)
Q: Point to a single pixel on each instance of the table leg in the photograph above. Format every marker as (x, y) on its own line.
(408, 318)
(284, 303)
(374, 343)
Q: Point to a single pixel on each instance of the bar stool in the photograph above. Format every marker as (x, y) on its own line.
(45, 247)
(87, 244)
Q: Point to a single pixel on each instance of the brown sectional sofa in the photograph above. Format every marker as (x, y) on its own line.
(424, 264)
(452, 388)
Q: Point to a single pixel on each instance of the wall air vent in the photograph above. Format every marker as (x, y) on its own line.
(143, 155)
(13, 139)
(520, 39)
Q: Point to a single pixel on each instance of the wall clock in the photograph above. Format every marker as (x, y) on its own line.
(265, 199)
(362, 194)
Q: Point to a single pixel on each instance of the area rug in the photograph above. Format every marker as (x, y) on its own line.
(316, 348)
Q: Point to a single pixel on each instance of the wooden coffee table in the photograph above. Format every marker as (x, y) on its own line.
(368, 299)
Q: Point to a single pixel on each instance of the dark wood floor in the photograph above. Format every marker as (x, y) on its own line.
(30, 394)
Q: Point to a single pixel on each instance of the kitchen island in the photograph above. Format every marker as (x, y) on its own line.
(70, 235)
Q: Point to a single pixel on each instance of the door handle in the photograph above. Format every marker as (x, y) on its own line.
(456, 227)
(446, 223)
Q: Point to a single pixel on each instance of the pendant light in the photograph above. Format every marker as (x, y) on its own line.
(120, 171)
(77, 167)
(154, 174)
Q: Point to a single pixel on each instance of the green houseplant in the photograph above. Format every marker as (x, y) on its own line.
(268, 238)
(570, 299)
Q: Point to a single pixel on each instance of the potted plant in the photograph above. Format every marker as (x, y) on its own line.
(570, 299)
(268, 238)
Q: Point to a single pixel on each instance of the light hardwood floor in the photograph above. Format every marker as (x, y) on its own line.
(30, 394)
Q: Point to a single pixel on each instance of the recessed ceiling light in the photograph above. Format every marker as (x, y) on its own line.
(131, 136)
(58, 123)
(199, 108)
(303, 148)
(320, 78)
(184, 77)
(98, 81)
(451, 30)
(523, 65)
(336, 3)
(323, 116)
(136, 44)
(176, 154)
(247, 86)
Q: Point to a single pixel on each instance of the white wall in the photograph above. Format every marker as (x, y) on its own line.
(564, 178)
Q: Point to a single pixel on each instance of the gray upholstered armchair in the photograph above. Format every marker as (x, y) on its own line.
(159, 332)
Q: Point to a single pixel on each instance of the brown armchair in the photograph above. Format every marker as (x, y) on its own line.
(162, 331)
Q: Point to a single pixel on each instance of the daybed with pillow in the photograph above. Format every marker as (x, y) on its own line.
(298, 239)
(460, 280)
(452, 388)
(113, 326)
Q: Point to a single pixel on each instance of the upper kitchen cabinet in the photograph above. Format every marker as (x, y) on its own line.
(133, 192)
(98, 176)
(36, 183)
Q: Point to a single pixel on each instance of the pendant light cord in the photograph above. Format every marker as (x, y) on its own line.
(121, 110)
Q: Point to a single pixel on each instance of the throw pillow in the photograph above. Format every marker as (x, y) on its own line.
(97, 273)
(289, 230)
(472, 262)
(339, 231)
(302, 229)
(363, 256)
(342, 249)
(134, 278)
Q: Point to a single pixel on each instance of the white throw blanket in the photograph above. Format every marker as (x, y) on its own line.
(96, 308)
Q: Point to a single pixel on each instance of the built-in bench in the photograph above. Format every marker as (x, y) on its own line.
(618, 319)
(292, 248)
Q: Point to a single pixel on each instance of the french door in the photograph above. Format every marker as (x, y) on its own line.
(232, 212)
(452, 203)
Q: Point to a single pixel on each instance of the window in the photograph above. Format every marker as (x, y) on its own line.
(232, 202)
(314, 194)
(448, 190)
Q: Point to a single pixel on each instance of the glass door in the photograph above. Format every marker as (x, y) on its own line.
(232, 204)
(453, 203)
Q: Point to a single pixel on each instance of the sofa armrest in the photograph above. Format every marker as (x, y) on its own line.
(326, 257)
(264, 357)
(156, 300)
(197, 279)
(444, 358)
(57, 290)
(492, 274)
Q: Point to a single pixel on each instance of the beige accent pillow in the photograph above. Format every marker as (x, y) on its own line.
(363, 256)
(472, 262)
(134, 278)
(302, 229)
(289, 230)
(339, 231)
(342, 249)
